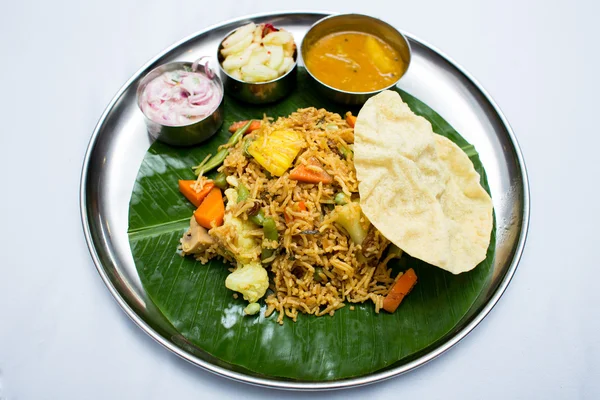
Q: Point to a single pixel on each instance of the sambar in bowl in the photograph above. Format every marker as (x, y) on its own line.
(352, 57)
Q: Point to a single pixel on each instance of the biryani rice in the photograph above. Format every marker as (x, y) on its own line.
(316, 268)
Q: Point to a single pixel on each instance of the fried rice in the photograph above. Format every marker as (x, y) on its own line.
(316, 267)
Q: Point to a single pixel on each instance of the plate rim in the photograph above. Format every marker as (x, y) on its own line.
(276, 382)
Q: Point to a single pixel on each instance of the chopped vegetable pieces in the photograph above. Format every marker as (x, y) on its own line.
(348, 217)
(212, 210)
(379, 56)
(254, 125)
(270, 233)
(350, 119)
(311, 173)
(221, 181)
(188, 189)
(277, 150)
(213, 162)
(401, 288)
(251, 280)
(300, 206)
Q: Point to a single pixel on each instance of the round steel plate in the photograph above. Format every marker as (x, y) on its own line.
(120, 142)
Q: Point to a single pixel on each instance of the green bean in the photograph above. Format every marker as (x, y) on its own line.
(270, 233)
(345, 151)
(221, 181)
(242, 192)
(270, 229)
(218, 158)
(259, 218)
(341, 199)
(247, 142)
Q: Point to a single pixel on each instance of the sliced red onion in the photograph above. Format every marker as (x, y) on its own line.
(179, 98)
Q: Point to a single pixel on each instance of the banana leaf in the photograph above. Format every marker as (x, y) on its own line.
(194, 299)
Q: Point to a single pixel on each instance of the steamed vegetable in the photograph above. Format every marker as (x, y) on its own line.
(276, 151)
(341, 199)
(311, 173)
(217, 159)
(270, 233)
(251, 280)
(242, 192)
(348, 217)
(252, 309)
(187, 188)
(258, 218)
(401, 288)
(350, 119)
(254, 125)
(344, 151)
(211, 211)
(220, 181)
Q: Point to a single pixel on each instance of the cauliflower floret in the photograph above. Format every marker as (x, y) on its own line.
(252, 308)
(348, 217)
(250, 280)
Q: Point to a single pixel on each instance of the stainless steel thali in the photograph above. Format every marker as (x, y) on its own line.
(120, 142)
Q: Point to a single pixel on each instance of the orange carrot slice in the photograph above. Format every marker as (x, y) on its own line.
(350, 119)
(212, 210)
(254, 125)
(187, 189)
(304, 174)
(401, 288)
(301, 206)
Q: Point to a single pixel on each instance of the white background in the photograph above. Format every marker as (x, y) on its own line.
(62, 336)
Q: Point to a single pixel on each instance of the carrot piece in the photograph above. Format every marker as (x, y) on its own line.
(187, 189)
(350, 119)
(254, 125)
(303, 174)
(401, 288)
(301, 206)
(288, 218)
(212, 210)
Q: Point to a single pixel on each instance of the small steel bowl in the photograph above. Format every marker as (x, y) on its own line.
(355, 23)
(195, 132)
(259, 92)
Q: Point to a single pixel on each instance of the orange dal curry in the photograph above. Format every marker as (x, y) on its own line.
(354, 62)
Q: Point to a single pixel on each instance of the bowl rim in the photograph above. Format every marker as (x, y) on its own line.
(369, 93)
(220, 46)
(146, 79)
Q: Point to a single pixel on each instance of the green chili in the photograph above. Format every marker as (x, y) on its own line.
(216, 160)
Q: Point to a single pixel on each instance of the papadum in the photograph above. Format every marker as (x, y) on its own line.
(418, 188)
